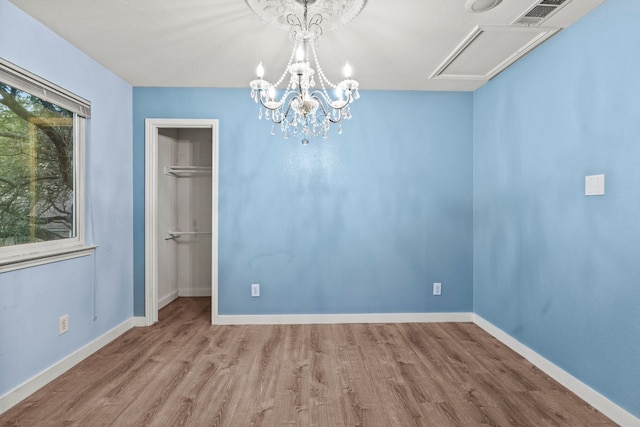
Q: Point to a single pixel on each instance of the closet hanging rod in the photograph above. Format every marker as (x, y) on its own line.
(175, 234)
(187, 170)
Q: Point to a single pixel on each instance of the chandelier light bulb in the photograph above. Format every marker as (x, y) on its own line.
(347, 70)
(300, 53)
(260, 70)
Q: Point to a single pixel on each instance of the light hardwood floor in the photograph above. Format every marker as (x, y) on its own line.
(184, 372)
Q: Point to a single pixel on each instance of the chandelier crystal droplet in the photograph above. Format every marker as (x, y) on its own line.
(304, 110)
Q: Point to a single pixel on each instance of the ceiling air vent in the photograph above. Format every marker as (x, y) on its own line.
(540, 12)
(489, 49)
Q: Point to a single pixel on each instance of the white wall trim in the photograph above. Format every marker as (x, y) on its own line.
(45, 257)
(306, 319)
(138, 321)
(589, 395)
(168, 299)
(194, 292)
(35, 383)
(27, 255)
(151, 223)
(151, 217)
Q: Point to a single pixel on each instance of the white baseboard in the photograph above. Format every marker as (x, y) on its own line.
(307, 319)
(139, 321)
(589, 395)
(167, 299)
(32, 385)
(195, 292)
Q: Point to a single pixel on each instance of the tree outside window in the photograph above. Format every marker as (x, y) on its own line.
(36, 169)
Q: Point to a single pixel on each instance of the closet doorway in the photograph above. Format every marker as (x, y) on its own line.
(181, 212)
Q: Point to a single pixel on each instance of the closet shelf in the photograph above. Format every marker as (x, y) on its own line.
(175, 234)
(179, 171)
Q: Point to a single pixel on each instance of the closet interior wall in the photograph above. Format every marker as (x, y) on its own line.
(184, 213)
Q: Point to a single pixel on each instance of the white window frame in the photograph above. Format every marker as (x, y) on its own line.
(31, 254)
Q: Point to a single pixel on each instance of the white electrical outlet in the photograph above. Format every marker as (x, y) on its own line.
(255, 290)
(437, 288)
(63, 324)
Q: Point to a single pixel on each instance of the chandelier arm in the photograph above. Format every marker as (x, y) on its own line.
(329, 116)
(277, 105)
(323, 102)
(272, 108)
(285, 100)
(284, 116)
(322, 97)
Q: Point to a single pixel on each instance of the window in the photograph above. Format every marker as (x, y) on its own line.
(42, 132)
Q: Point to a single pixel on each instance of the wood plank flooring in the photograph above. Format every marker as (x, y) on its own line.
(185, 372)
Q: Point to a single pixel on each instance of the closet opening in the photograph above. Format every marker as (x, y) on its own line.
(181, 213)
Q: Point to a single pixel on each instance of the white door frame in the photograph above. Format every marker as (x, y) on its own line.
(151, 211)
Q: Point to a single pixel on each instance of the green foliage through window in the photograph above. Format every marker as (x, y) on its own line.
(36, 169)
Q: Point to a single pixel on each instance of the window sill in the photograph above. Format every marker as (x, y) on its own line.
(45, 257)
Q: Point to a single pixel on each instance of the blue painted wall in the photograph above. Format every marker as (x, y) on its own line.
(366, 221)
(96, 291)
(363, 222)
(555, 269)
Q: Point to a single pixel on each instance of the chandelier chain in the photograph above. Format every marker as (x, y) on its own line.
(323, 77)
(286, 70)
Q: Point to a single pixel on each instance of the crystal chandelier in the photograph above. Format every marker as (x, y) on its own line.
(303, 109)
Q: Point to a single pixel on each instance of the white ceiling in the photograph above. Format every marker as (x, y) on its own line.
(391, 45)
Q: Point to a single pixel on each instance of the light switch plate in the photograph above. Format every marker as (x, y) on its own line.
(594, 185)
